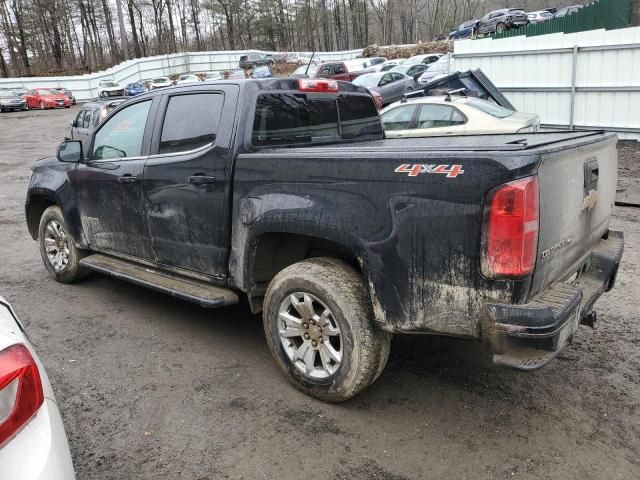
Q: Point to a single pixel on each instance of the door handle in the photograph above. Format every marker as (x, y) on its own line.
(128, 178)
(201, 180)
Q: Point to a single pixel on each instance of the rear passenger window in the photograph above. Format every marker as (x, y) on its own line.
(191, 122)
(295, 119)
(358, 117)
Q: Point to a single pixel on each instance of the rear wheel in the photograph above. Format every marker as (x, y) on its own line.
(318, 322)
(58, 251)
(501, 27)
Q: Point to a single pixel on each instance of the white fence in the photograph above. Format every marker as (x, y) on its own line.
(581, 80)
(85, 87)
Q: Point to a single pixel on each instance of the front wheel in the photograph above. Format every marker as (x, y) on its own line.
(318, 322)
(501, 27)
(42, 106)
(58, 251)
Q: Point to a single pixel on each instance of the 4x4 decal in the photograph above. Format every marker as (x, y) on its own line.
(452, 171)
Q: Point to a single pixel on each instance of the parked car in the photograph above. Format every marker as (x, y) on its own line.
(109, 88)
(388, 65)
(187, 78)
(11, 100)
(390, 85)
(213, 76)
(239, 188)
(43, 98)
(67, 93)
(464, 30)
(160, 82)
(453, 115)
(254, 60)
(501, 20)
(436, 70)
(330, 70)
(262, 72)
(426, 59)
(411, 70)
(33, 443)
(563, 12)
(539, 16)
(21, 91)
(135, 88)
(90, 116)
(373, 61)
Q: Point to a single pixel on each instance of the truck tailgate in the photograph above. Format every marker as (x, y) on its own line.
(577, 192)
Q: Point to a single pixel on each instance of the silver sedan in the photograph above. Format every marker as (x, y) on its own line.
(33, 444)
(390, 85)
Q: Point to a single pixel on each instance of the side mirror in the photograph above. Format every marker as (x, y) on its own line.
(70, 151)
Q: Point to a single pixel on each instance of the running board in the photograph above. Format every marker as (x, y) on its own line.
(202, 293)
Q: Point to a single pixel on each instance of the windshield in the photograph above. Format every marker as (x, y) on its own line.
(161, 80)
(492, 109)
(368, 80)
(109, 84)
(135, 85)
(8, 93)
(47, 91)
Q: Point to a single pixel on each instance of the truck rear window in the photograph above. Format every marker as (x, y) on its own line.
(298, 119)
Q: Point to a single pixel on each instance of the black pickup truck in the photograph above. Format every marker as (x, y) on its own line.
(286, 191)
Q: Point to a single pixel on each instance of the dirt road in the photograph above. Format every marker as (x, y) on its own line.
(155, 388)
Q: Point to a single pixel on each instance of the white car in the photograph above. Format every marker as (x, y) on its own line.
(453, 115)
(33, 443)
(110, 88)
(539, 16)
(440, 68)
(187, 78)
(388, 65)
(160, 82)
(427, 58)
(213, 76)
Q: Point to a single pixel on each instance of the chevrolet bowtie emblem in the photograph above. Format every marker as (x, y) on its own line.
(590, 200)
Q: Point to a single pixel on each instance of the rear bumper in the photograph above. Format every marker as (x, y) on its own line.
(529, 336)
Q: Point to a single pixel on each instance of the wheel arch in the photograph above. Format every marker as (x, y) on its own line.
(272, 251)
(34, 209)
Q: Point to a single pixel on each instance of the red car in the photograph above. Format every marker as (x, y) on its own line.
(377, 98)
(46, 98)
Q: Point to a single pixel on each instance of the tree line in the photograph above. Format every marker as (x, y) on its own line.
(44, 37)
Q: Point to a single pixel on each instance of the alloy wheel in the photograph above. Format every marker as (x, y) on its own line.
(310, 335)
(56, 244)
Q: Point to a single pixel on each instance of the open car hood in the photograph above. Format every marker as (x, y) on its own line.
(474, 81)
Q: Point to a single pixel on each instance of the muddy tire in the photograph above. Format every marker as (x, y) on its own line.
(318, 322)
(58, 251)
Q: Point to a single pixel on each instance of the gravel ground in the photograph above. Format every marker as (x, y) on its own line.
(151, 387)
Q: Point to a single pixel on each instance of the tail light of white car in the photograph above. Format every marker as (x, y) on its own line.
(21, 392)
(510, 229)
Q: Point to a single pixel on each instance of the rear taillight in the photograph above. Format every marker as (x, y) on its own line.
(310, 85)
(20, 390)
(510, 229)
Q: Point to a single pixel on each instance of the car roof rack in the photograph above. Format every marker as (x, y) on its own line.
(460, 91)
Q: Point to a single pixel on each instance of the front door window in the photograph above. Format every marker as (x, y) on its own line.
(121, 136)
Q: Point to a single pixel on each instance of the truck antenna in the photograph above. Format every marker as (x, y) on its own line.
(306, 72)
